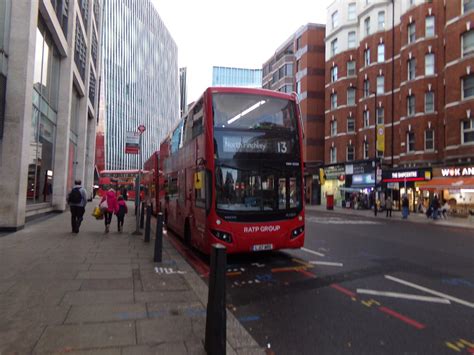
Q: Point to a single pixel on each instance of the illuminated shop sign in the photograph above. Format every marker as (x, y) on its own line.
(407, 175)
(452, 172)
(363, 179)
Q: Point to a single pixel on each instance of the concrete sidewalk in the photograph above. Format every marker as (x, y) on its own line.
(412, 217)
(96, 293)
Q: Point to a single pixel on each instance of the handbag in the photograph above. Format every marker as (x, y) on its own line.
(104, 205)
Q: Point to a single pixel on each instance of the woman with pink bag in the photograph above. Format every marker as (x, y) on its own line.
(108, 205)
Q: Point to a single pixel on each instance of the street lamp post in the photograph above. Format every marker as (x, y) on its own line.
(141, 129)
(375, 152)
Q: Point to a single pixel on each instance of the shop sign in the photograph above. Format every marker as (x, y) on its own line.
(334, 172)
(132, 143)
(452, 172)
(363, 179)
(363, 169)
(407, 175)
(393, 185)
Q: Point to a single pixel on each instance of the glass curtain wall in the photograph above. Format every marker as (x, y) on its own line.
(43, 122)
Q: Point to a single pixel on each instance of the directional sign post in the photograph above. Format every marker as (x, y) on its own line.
(141, 129)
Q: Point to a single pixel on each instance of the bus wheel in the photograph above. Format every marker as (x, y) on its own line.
(187, 233)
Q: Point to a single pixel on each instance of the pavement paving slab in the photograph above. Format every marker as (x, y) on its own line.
(106, 313)
(63, 338)
(102, 275)
(98, 297)
(166, 329)
(107, 284)
(168, 348)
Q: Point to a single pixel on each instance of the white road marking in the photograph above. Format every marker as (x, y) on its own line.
(325, 263)
(433, 292)
(404, 295)
(312, 252)
(338, 220)
(167, 271)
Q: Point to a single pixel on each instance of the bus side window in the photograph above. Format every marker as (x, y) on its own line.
(197, 127)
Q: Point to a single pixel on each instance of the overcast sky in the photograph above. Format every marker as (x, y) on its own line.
(243, 33)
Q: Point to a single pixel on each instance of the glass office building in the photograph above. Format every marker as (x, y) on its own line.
(140, 61)
(227, 76)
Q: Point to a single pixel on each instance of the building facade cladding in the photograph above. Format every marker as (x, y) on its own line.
(141, 79)
(228, 76)
(183, 91)
(51, 104)
(423, 70)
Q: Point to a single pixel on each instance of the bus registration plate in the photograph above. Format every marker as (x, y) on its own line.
(261, 247)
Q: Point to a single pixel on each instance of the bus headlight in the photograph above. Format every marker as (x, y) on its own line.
(224, 236)
(296, 232)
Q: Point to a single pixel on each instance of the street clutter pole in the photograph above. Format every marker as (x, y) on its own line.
(158, 239)
(216, 318)
(142, 215)
(137, 189)
(147, 224)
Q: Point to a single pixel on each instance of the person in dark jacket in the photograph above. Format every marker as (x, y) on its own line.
(405, 207)
(121, 212)
(77, 200)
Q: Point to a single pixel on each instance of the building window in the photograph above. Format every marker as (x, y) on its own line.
(96, 13)
(429, 64)
(468, 42)
(367, 26)
(298, 43)
(351, 96)
(410, 142)
(335, 19)
(334, 74)
(468, 86)
(92, 88)
(381, 53)
(367, 57)
(366, 150)
(350, 153)
(467, 131)
(411, 105)
(411, 69)
(380, 84)
(350, 125)
(80, 51)
(351, 68)
(430, 26)
(351, 39)
(411, 33)
(429, 101)
(366, 117)
(351, 11)
(333, 153)
(334, 47)
(381, 20)
(94, 48)
(298, 87)
(333, 128)
(468, 5)
(380, 115)
(366, 88)
(298, 65)
(333, 101)
(429, 139)
(84, 6)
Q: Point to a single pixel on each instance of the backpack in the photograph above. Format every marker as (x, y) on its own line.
(75, 196)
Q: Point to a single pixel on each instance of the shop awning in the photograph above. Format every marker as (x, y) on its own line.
(441, 183)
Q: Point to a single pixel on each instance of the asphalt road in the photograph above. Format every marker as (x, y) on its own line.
(360, 286)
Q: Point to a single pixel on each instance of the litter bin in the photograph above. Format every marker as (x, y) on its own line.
(330, 202)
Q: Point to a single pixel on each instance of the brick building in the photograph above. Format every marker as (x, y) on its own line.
(398, 72)
(298, 65)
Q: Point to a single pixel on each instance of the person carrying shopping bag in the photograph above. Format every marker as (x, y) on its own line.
(108, 204)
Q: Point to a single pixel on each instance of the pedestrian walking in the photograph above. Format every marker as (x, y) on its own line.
(435, 205)
(388, 206)
(445, 209)
(77, 200)
(121, 212)
(108, 205)
(405, 206)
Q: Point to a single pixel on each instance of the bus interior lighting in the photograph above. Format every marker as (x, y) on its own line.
(245, 112)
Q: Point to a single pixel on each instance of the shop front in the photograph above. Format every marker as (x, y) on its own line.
(334, 179)
(398, 183)
(360, 185)
(454, 185)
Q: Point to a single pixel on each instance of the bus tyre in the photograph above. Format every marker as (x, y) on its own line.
(187, 233)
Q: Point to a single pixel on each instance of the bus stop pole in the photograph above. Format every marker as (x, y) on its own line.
(137, 189)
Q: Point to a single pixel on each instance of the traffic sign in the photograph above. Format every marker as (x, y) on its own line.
(141, 128)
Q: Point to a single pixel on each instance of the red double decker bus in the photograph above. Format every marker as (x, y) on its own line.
(233, 172)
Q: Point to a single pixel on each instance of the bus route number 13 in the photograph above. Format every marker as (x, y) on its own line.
(282, 147)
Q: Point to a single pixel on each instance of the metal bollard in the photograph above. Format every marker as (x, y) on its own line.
(142, 215)
(216, 318)
(159, 239)
(147, 224)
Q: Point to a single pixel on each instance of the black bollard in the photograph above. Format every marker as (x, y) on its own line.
(147, 224)
(159, 239)
(216, 318)
(142, 216)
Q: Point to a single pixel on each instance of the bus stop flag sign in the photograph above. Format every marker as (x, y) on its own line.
(132, 144)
